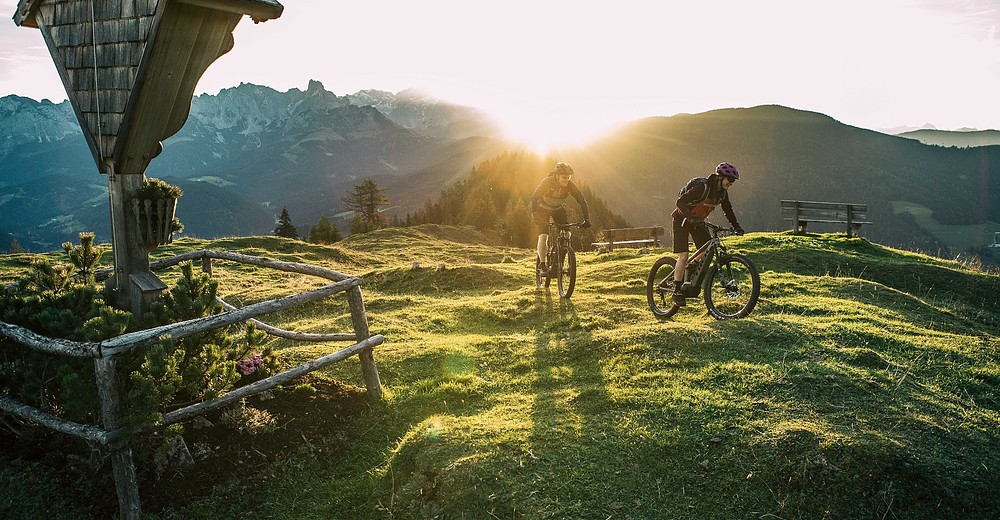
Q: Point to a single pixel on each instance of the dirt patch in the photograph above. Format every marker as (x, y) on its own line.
(222, 451)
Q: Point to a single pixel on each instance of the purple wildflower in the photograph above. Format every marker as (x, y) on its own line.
(250, 364)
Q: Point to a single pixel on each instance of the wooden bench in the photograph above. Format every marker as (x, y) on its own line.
(629, 237)
(802, 212)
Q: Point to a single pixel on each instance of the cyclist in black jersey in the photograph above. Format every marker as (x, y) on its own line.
(549, 201)
(694, 203)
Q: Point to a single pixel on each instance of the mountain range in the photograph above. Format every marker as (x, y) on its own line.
(250, 150)
(241, 156)
(960, 138)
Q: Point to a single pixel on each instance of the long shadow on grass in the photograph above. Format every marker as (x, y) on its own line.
(569, 417)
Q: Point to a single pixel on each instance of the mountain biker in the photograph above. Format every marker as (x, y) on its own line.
(694, 203)
(549, 200)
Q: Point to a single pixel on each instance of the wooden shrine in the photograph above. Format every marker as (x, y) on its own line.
(130, 68)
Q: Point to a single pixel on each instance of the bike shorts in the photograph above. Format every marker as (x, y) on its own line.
(682, 236)
(542, 219)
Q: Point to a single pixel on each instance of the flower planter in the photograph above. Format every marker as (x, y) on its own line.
(155, 221)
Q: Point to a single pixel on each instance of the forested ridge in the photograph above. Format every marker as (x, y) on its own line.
(496, 197)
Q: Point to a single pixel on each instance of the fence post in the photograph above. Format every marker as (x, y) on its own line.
(126, 483)
(850, 221)
(359, 318)
(797, 227)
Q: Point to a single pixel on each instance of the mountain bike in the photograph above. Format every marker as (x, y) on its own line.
(561, 260)
(730, 281)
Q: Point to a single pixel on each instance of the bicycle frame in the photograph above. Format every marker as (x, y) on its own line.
(562, 237)
(703, 257)
(735, 282)
(560, 259)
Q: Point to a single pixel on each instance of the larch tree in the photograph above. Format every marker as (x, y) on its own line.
(365, 201)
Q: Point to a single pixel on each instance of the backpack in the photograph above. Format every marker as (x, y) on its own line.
(692, 184)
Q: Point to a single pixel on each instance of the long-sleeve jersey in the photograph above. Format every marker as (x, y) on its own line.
(699, 199)
(551, 195)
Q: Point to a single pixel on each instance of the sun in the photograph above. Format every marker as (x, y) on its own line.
(544, 129)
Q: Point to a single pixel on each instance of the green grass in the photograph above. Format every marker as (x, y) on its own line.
(955, 237)
(864, 385)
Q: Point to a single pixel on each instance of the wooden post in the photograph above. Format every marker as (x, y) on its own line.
(360, 321)
(798, 226)
(850, 221)
(130, 255)
(126, 482)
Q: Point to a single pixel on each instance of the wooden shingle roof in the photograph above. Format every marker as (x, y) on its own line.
(259, 10)
(130, 67)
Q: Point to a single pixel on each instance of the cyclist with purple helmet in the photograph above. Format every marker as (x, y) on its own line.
(694, 203)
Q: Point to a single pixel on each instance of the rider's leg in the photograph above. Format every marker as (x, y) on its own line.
(681, 249)
(682, 259)
(542, 248)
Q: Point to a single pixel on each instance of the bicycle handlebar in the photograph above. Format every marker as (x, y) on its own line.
(717, 230)
(565, 226)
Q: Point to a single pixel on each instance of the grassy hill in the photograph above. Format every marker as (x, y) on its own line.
(866, 384)
(785, 153)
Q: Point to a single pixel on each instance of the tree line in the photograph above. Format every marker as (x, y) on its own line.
(495, 198)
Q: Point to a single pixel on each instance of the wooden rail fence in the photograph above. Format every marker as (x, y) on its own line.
(112, 434)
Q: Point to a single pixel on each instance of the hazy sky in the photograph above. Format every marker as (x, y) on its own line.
(556, 71)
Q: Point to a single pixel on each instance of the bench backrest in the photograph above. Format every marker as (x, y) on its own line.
(640, 233)
(824, 210)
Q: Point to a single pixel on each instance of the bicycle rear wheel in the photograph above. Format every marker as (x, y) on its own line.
(567, 272)
(660, 288)
(732, 288)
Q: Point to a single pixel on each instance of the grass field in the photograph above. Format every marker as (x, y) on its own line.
(956, 238)
(866, 384)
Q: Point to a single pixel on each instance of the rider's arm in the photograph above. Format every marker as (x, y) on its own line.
(574, 190)
(536, 197)
(727, 208)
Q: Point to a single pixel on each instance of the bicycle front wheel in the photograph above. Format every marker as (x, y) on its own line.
(660, 288)
(567, 273)
(732, 288)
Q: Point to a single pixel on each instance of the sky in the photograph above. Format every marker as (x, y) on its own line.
(555, 72)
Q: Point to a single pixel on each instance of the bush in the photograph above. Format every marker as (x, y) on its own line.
(166, 375)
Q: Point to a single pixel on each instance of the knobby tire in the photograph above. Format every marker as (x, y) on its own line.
(732, 288)
(660, 288)
(567, 272)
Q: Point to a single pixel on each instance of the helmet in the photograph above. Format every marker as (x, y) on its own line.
(562, 169)
(728, 170)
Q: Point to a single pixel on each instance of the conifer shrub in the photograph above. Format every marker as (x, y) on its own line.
(153, 379)
(173, 373)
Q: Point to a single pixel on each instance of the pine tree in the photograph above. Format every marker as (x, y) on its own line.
(365, 201)
(285, 227)
(496, 195)
(324, 232)
(84, 257)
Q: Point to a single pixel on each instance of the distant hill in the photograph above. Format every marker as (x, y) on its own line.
(785, 153)
(496, 197)
(961, 139)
